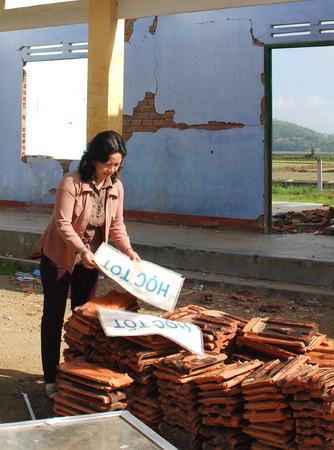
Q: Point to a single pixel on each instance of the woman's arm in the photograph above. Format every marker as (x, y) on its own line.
(64, 208)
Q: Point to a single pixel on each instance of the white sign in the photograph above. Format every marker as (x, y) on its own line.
(123, 323)
(149, 282)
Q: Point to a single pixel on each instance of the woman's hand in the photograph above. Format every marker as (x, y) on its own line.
(87, 259)
(132, 255)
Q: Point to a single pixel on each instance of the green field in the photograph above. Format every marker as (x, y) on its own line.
(301, 168)
(298, 193)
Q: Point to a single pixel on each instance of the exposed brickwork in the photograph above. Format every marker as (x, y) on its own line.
(146, 119)
(153, 27)
(263, 114)
(65, 164)
(128, 29)
(193, 221)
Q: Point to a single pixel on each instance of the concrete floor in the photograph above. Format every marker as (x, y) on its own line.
(296, 258)
(281, 207)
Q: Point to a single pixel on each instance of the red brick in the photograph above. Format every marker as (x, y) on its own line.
(148, 129)
(169, 114)
(159, 123)
(144, 109)
(142, 115)
(136, 123)
(170, 123)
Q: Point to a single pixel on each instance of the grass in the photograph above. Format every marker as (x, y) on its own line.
(7, 267)
(301, 157)
(299, 193)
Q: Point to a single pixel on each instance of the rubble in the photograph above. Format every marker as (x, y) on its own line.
(310, 220)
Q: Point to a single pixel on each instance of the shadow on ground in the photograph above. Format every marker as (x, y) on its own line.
(13, 407)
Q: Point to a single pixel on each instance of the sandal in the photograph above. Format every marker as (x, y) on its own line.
(51, 390)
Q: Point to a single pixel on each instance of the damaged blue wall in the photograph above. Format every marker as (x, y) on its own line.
(205, 67)
(20, 181)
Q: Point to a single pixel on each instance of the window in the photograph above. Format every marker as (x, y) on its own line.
(55, 108)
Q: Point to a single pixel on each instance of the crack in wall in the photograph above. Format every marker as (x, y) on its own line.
(204, 23)
(145, 118)
(255, 40)
(128, 30)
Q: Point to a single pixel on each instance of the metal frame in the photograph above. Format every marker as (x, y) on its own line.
(125, 415)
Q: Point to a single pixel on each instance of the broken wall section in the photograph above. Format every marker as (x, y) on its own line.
(192, 117)
(30, 180)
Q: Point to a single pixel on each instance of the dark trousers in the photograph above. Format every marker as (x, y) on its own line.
(56, 282)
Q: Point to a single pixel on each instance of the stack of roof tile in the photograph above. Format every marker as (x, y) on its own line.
(178, 396)
(136, 355)
(80, 333)
(222, 405)
(218, 438)
(121, 354)
(279, 338)
(113, 299)
(83, 332)
(313, 405)
(86, 388)
(323, 353)
(155, 342)
(219, 329)
(268, 411)
(140, 361)
(199, 401)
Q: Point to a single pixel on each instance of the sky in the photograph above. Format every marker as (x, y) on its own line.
(50, 85)
(303, 88)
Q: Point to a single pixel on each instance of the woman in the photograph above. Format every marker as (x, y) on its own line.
(88, 209)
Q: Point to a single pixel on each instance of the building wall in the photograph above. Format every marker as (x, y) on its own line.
(32, 180)
(194, 111)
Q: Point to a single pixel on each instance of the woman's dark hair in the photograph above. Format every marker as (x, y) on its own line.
(100, 148)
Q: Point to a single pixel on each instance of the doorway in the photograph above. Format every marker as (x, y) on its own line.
(301, 138)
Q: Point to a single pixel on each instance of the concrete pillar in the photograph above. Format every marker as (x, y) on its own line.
(105, 68)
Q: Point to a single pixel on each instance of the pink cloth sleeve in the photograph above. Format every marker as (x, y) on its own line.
(65, 200)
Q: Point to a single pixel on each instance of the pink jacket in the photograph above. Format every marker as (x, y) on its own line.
(61, 240)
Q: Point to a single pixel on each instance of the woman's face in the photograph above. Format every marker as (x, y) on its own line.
(103, 170)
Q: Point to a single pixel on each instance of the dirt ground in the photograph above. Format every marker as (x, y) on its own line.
(20, 314)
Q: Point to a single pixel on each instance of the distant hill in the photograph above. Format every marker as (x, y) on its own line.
(289, 137)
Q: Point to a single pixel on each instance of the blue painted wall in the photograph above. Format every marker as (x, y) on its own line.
(20, 181)
(205, 66)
